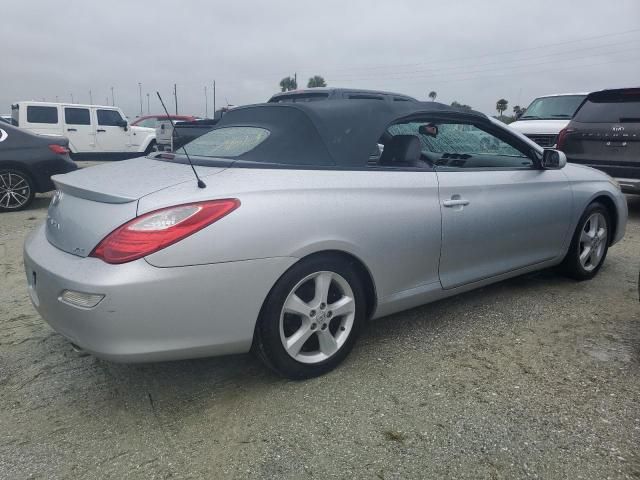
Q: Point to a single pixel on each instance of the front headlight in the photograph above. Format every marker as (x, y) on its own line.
(615, 183)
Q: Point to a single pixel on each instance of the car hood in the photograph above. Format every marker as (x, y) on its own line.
(539, 127)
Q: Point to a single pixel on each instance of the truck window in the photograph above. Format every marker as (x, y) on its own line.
(77, 116)
(109, 118)
(42, 114)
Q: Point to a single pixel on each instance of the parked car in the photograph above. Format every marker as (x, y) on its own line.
(298, 235)
(331, 93)
(605, 134)
(94, 131)
(151, 121)
(546, 116)
(27, 162)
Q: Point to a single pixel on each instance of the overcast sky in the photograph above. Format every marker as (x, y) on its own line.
(466, 50)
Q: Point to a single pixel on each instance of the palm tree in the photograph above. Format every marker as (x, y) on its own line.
(432, 95)
(501, 106)
(288, 83)
(316, 81)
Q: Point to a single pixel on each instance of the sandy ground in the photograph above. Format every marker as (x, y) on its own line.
(536, 377)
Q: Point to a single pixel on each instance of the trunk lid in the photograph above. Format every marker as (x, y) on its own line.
(92, 202)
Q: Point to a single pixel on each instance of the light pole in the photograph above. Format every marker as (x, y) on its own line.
(72, 98)
(148, 105)
(113, 101)
(90, 98)
(206, 103)
(140, 92)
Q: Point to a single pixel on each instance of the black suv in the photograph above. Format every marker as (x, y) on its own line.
(605, 134)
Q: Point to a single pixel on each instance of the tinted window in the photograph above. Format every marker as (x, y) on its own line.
(228, 142)
(109, 118)
(549, 108)
(42, 114)
(619, 107)
(462, 145)
(77, 116)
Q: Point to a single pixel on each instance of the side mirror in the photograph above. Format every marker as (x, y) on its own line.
(123, 124)
(553, 159)
(429, 130)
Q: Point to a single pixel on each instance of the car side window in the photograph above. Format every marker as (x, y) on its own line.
(77, 116)
(148, 123)
(42, 114)
(109, 118)
(450, 145)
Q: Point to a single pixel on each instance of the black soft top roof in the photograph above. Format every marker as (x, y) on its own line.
(332, 132)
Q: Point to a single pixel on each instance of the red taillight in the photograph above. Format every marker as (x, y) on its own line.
(156, 230)
(562, 138)
(59, 149)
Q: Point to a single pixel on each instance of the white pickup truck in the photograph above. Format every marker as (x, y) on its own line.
(546, 116)
(94, 131)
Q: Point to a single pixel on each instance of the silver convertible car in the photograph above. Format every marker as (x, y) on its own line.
(309, 219)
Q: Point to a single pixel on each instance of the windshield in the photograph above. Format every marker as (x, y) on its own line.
(553, 108)
(228, 142)
(611, 108)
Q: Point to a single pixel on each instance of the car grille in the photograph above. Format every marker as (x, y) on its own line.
(544, 140)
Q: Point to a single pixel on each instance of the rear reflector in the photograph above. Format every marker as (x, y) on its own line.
(81, 299)
(156, 230)
(59, 149)
(562, 138)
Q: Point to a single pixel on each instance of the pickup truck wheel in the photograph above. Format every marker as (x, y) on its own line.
(16, 190)
(151, 147)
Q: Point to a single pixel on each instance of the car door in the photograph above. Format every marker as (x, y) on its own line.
(79, 129)
(111, 136)
(500, 210)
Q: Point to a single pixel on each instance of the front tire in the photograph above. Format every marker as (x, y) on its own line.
(151, 147)
(311, 318)
(590, 243)
(16, 190)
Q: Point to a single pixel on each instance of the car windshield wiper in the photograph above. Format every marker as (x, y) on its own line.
(561, 115)
(533, 117)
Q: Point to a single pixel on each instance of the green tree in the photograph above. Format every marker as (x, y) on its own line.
(432, 95)
(501, 106)
(461, 106)
(288, 83)
(316, 81)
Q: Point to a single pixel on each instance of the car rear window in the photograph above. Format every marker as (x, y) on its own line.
(77, 116)
(228, 142)
(300, 97)
(42, 114)
(610, 108)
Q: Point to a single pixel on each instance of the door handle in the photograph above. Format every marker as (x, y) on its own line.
(72, 129)
(456, 202)
(101, 130)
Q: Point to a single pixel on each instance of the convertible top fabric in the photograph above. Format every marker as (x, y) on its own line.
(333, 132)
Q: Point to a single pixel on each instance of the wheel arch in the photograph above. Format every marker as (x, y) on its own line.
(610, 205)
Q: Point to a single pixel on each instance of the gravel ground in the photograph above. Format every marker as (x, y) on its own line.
(536, 377)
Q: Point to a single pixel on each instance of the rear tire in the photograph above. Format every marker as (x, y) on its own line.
(16, 190)
(311, 318)
(589, 244)
(151, 147)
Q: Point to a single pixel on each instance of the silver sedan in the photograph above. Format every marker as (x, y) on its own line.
(308, 220)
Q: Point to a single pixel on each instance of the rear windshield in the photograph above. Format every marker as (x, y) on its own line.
(228, 142)
(553, 108)
(615, 108)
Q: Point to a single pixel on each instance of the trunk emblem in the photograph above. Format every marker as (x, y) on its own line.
(617, 128)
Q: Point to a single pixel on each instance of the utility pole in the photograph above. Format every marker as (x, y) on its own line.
(148, 105)
(106, 100)
(206, 103)
(90, 98)
(72, 98)
(113, 101)
(214, 99)
(295, 79)
(140, 94)
(56, 98)
(175, 96)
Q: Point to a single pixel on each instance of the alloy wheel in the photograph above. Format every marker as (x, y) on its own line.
(593, 241)
(15, 191)
(317, 317)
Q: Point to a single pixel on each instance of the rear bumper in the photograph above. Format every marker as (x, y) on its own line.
(150, 313)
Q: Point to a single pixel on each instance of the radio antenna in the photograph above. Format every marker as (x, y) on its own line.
(201, 184)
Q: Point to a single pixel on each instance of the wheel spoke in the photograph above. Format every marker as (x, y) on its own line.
(323, 282)
(586, 253)
(343, 306)
(16, 195)
(602, 233)
(585, 237)
(4, 182)
(328, 344)
(3, 201)
(19, 182)
(295, 342)
(295, 305)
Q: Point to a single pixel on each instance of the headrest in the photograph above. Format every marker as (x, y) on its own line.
(401, 150)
